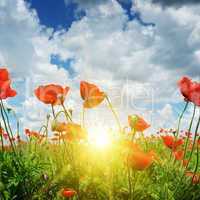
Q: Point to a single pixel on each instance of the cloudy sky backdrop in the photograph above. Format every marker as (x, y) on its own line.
(134, 50)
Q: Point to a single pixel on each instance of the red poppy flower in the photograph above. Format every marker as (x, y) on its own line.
(68, 193)
(140, 161)
(91, 94)
(51, 94)
(185, 85)
(178, 154)
(32, 133)
(195, 177)
(5, 89)
(195, 93)
(137, 123)
(171, 142)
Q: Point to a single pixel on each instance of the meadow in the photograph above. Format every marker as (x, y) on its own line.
(62, 161)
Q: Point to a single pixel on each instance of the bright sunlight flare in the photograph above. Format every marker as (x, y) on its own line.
(99, 137)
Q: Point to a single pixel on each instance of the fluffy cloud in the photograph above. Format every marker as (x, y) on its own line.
(107, 49)
(25, 45)
(176, 2)
(107, 46)
(26, 51)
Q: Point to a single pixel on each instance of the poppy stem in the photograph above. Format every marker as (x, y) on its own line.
(188, 133)
(66, 113)
(114, 113)
(9, 132)
(180, 118)
(194, 140)
(179, 123)
(17, 120)
(47, 124)
(197, 163)
(42, 127)
(53, 111)
(2, 143)
(7, 120)
(6, 127)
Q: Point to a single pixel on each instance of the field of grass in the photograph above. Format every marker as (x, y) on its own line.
(62, 161)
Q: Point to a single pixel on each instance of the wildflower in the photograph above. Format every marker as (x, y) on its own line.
(52, 94)
(30, 133)
(70, 130)
(195, 177)
(68, 193)
(185, 85)
(195, 93)
(190, 90)
(140, 161)
(5, 89)
(91, 94)
(171, 142)
(137, 123)
(178, 154)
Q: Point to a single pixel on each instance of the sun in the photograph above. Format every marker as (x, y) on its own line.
(99, 137)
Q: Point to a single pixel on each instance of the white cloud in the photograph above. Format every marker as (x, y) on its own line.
(107, 48)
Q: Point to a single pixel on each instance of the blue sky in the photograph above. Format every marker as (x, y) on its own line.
(57, 15)
(117, 44)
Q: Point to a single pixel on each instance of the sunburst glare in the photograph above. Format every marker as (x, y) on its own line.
(99, 137)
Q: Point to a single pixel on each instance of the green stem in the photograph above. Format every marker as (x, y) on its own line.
(194, 140)
(66, 113)
(189, 130)
(114, 113)
(6, 128)
(53, 111)
(180, 118)
(7, 120)
(9, 132)
(58, 113)
(42, 127)
(179, 124)
(2, 144)
(17, 120)
(197, 163)
(47, 125)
